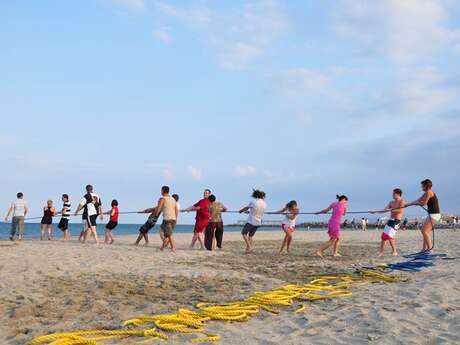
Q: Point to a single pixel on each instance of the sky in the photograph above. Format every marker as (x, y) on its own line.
(303, 99)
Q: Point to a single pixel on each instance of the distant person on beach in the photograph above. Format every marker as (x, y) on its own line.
(90, 204)
(396, 209)
(65, 216)
(147, 226)
(18, 210)
(47, 220)
(98, 205)
(202, 218)
(291, 212)
(215, 230)
(364, 224)
(430, 200)
(256, 209)
(113, 222)
(339, 209)
(167, 206)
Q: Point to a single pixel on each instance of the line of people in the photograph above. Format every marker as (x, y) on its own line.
(208, 230)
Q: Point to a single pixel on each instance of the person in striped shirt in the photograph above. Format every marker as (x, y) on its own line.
(64, 222)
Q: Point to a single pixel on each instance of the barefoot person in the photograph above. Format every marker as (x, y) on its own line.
(202, 218)
(339, 209)
(256, 209)
(18, 210)
(81, 206)
(429, 199)
(167, 205)
(113, 222)
(291, 211)
(396, 207)
(47, 220)
(65, 216)
(89, 205)
(215, 229)
(147, 226)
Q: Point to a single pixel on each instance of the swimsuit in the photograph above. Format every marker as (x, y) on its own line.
(389, 231)
(47, 216)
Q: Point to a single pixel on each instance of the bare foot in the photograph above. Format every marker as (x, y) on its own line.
(380, 255)
(394, 254)
(337, 255)
(320, 254)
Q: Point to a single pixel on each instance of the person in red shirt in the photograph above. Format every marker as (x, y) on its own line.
(202, 218)
(112, 224)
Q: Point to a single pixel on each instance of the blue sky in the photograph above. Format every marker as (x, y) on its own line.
(304, 99)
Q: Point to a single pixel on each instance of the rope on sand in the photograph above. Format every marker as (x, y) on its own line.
(189, 321)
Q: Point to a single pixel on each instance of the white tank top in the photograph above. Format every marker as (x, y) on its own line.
(169, 208)
(290, 222)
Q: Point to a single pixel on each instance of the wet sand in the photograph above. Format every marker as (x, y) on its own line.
(56, 286)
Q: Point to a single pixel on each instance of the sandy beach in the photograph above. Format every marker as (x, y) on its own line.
(55, 286)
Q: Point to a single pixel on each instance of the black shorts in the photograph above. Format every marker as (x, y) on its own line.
(47, 221)
(63, 224)
(111, 225)
(92, 221)
(249, 229)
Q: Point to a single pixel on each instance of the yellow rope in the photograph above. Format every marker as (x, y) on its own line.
(193, 321)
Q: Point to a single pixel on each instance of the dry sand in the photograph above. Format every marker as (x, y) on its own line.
(56, 286)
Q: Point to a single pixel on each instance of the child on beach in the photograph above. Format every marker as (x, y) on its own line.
(47, 221)
(112, 224)
(65, 215)
(256, 209)
(396, 207)
(339, 209)
(291, 211)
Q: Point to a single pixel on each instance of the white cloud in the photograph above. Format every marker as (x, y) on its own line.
(243, 171)
(133, 4)
(401, 30)
(164, 169)
(163, 35)
(238, 35)
(195, 173)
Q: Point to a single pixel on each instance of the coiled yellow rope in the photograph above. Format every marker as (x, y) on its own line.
(189, 321)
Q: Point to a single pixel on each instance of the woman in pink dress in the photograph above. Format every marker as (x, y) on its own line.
(339, 208)
(202, 218)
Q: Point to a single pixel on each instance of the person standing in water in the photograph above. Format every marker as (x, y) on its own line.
(396, 207)
(430, 200)
(47, 220)
(215, 229)
(339, 209)
(19, 210)
(202, 218)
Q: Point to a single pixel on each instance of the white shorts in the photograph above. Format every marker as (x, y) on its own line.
(435, 216)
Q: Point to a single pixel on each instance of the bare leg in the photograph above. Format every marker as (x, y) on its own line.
(106, 236)
(201, 240)
(382, 247)
(173, 243)
(393, 247)
(214, 240)
(50, 229)
(336, 247)
(284, 244)
(194, 238)
(325, 246)
(248, 243)
(288, 244)
(42, 232)
(94, 232)
(427, 230)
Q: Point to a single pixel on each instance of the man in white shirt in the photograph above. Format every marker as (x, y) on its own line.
(19, 210)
